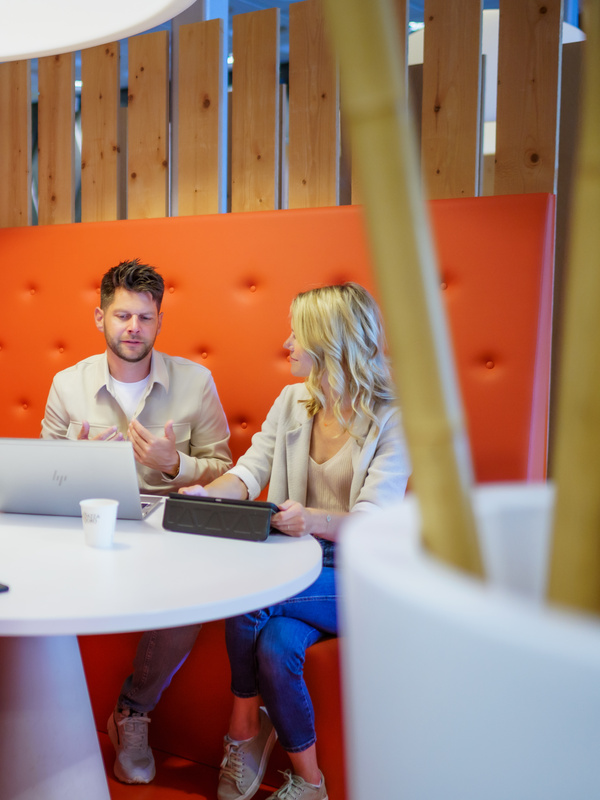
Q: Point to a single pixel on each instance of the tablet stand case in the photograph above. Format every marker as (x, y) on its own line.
(209, 516)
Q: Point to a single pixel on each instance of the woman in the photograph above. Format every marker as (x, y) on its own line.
(329, 447)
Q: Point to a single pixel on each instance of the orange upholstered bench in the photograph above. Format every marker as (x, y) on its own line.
(230, 280)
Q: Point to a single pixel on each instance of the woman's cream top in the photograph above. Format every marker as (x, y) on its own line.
(329, 483)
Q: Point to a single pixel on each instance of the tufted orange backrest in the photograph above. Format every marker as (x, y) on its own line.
(230, 281)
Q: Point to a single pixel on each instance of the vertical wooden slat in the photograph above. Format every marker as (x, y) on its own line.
(148, 126)
(255, 111)
(201, 115)
(528, 90)
(314, 144)
(450, 123)
(100, 150)
(56, 139)
(15, 144)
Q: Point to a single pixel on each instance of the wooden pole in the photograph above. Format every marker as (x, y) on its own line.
(374, 103)
(575, 558)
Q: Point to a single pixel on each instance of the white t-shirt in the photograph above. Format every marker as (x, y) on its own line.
(129, 394)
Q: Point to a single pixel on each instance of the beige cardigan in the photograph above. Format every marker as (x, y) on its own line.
(279, 453)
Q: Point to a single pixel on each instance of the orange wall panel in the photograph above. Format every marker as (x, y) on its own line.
(230, 280)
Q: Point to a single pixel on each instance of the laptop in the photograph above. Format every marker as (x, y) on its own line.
(51, 476)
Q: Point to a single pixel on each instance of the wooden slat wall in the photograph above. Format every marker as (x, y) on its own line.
(201, 116)
(15, 144)
(56, 139)
(266, 173)
(314, 114)
(100, 150)
(451, 98)
(528, 87)
(255, 111)
(148, 126)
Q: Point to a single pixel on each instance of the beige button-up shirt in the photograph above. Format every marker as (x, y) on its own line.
(178, 389)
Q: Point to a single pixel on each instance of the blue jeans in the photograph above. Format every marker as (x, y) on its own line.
(267, 649)
(159, 655)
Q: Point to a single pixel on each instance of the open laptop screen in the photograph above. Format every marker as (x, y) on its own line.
(51, 476)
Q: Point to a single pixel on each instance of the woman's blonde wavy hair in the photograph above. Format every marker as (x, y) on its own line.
(340, 327)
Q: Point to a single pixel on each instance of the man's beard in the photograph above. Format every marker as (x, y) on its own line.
(117, 349)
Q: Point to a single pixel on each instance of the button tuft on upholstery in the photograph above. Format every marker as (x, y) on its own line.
(489, 364)
(61, 349)
(443, 286)
(24, 406)
(32, 290)
(204, 354)
(244, 425)
(252, 287)
(171, 289)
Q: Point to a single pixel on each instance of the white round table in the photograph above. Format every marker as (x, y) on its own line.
(59, 588)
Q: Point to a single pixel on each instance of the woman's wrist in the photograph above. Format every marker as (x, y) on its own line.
(325, 523)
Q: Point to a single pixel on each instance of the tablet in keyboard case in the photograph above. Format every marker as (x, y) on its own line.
(210, 516)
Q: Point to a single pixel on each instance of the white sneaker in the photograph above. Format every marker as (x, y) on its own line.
(128, 733)
(244, 763)
(295, 788)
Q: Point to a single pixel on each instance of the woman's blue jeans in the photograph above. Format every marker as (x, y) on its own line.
(267, 649)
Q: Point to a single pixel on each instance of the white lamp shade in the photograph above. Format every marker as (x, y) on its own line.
(34, 28)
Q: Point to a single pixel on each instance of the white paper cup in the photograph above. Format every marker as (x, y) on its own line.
(99, 517)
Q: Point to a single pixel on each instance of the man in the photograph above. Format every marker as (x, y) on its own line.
(168, 408)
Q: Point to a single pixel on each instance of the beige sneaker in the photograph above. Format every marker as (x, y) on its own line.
(129, 736)
(296, 788)
(244, 763)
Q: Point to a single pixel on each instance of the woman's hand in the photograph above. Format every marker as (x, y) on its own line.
(292, 519)
(296, 520)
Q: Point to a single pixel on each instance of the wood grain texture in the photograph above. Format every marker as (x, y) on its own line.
(148, 126)
(15, 144)
(314, 132)
(450, 122)
(255, 111)
(528, 91)
(100, 149)
(56, 139)
(201, 117)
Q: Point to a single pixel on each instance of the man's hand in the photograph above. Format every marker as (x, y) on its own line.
(197, 490)
(292, 519)
(107, 434)
(152, 451)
